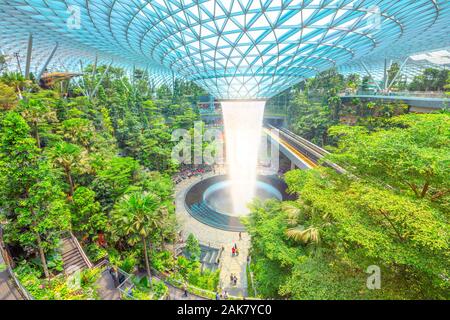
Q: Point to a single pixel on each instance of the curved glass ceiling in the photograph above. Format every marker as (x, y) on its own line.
(235, 49)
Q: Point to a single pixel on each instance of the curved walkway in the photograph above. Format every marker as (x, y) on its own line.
(8, 290)
(218, 239)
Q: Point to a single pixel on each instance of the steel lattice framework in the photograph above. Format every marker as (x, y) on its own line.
(233, 48)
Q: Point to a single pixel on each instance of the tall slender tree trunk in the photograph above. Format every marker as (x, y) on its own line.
(70, 181)
(42, 256)
(147, 264)
(41, 249)
(37, 136)
(38, 139)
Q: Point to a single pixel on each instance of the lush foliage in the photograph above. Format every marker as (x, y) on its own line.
(75, 157)
(80, 286)
(193, 248)
(390, 210)
(316, 105)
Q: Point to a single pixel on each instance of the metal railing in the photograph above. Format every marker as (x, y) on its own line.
(406, 94)
(250, 272)
(80, 249)
(126, 287)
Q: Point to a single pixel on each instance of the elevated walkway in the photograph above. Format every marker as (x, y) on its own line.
(416, 104)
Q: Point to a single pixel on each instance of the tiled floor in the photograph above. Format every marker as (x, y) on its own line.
(216, 238)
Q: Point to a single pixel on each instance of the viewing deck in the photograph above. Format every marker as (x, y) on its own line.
(417, 103)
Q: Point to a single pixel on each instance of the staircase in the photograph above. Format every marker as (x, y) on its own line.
(203, 213)
(73, 256)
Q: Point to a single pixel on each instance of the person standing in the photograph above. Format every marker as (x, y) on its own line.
(114, 276)
(233, 251)
(240, 236)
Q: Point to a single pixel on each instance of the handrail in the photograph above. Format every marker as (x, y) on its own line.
(80, 249)
(249, 261)
(208, 293)
(23, 291)
(132, 285)
(102, 263)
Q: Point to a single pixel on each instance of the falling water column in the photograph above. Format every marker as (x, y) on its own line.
(243, 121)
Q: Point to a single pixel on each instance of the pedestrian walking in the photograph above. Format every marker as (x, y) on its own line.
(240, 235)
(185, 294)
(233, 251)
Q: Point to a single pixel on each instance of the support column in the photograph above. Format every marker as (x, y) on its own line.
(29, 52)
(398, 73)
(16, 55)
(370, 75)
(293, 166)
(94, 92)
(44, 67)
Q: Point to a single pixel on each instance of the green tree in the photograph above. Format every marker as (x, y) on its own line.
(193, 248)
(30, 195)
(414, 156)
(8, 97)
(113, 179)
(68, 157)
(138, 216)
(38, 116)
(78, 131)
(86, 212)
(366, 216)
(42, 217)
(309, 119)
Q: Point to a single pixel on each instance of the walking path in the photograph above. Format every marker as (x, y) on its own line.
(106, 288)
(215, 238)
(8, 290)
(237, 266)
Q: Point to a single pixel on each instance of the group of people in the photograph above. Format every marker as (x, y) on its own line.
(223, 295)
(188, 173)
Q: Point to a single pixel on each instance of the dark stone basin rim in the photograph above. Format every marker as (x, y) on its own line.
(196, 207)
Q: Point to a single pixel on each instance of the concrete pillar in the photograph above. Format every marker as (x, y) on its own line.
(293, 167)
(29, 53)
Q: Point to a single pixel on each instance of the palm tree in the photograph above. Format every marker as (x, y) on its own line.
(305, 222)
(137, 216)
(66, 156)
(304, 234)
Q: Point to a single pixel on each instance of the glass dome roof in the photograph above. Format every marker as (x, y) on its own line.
(235, 49)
